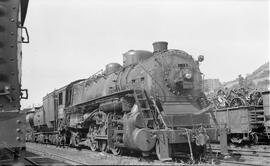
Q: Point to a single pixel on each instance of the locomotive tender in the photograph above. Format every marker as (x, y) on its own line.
(150, 104)
(12, 122)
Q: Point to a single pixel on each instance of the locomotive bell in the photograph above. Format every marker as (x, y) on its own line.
(200, 58)
(160, 46)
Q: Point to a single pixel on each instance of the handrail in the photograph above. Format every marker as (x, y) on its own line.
(161, 117)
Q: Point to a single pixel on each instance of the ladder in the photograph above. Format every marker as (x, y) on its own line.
(143, 106)
(160, 115)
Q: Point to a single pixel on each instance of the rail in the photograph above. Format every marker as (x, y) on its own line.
(28, 159)
(243, 156)
(43, 159)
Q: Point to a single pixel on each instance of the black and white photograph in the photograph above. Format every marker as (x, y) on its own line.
(134, 82)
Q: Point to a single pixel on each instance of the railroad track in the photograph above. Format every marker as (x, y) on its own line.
(45, 158)
(244, 156)
(91, 158)
(243, 151)
(42, 161)
(238, 156)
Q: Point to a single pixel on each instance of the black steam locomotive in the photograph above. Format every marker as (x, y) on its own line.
(12, 122)
(151, 104)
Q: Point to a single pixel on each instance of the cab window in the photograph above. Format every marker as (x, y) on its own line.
(60, 98)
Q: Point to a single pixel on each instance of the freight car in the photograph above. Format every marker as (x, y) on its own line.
(12, 144)
(246, 123)
(150, 104)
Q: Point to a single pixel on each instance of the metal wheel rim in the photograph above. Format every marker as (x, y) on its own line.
(255, 139)
(93, 145)
(260, 101)
(116, 151)
(74, 142)
(237, 101)
(104, 146)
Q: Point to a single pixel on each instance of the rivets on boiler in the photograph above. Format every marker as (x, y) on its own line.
(19, 122)
(18, 138)
(18, 130)
(12, 19)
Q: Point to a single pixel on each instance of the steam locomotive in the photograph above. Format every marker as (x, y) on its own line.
(151, 104)
(12, 122)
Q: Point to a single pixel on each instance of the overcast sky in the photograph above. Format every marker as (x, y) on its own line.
(72, 39)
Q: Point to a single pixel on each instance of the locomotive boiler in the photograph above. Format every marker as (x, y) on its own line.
(12, 121)
(150, 104)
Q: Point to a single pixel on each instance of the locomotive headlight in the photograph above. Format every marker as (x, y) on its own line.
(188, 74)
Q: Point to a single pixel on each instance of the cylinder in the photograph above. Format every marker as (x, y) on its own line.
(160, 46)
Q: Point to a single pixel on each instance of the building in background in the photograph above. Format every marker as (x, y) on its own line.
(210, 85)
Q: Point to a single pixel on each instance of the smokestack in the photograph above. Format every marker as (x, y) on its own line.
(160, 46)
